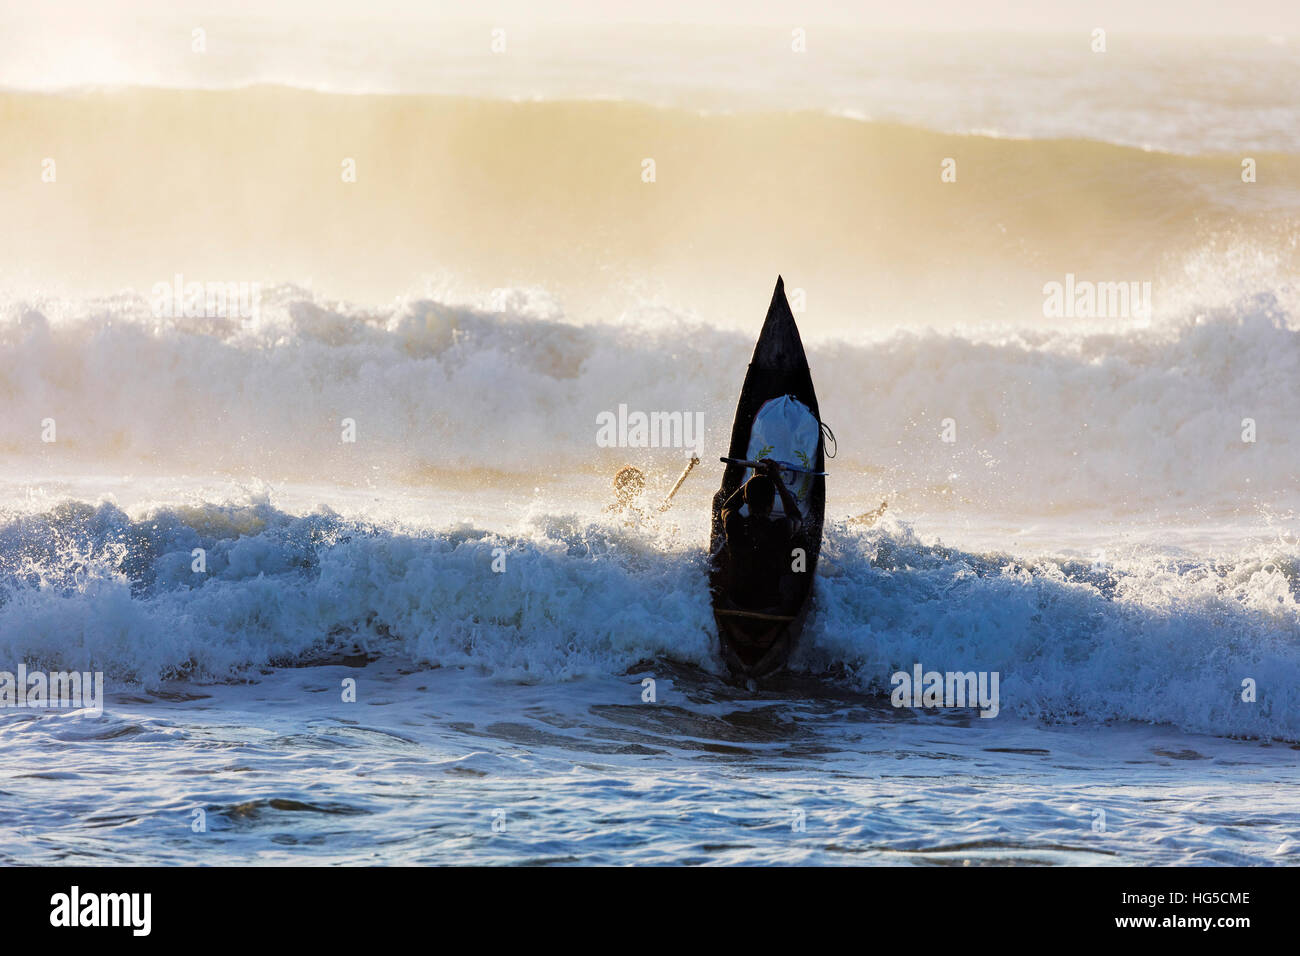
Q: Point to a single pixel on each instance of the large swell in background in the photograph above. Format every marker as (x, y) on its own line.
(247, 185)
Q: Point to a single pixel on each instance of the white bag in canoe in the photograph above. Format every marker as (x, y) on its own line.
(786, 430)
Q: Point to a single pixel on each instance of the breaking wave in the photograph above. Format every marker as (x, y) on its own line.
(1148, 639)
(1042, 420)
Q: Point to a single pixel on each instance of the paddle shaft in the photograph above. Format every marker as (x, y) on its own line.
(785, 465)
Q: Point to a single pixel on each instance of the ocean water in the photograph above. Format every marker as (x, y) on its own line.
(433, 644)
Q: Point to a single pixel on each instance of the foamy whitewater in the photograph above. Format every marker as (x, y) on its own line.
(433, 644)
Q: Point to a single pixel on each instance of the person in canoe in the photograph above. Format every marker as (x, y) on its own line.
(759, 543)
(629, 484)
(629, 491)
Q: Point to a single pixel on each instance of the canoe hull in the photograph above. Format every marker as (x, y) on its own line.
(756, 644)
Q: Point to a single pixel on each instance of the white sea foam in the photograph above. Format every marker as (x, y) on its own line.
(1146, 639)
(1047, 418)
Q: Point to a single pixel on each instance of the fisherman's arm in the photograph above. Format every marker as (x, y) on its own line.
(734, 502)
(789, 503)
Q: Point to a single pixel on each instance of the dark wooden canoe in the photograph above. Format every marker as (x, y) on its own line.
(758, 643)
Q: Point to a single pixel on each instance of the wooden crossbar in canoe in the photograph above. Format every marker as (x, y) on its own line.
(753, 614)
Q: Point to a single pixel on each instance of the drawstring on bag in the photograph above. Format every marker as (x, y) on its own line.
(828, 434)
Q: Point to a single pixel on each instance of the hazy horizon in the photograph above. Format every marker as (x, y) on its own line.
(1159, 16)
